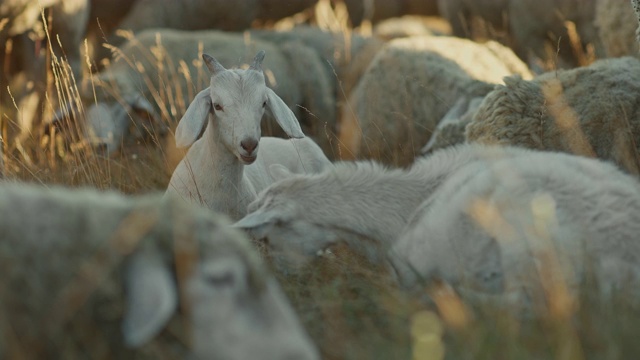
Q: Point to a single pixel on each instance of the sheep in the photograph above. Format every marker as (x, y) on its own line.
(156, 74)
(410, 25)
(201, 15)
(362, 204)
(616, 26)
(464, 15)
(212, 172)
(345, 56)
(410, 85)
(523, 230)
(450, 130)
(377, 10)
(90, 274)
(590, 111)
(537, 30)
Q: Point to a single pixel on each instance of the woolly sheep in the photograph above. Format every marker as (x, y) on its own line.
(526, 228)
(362, 204)
(197, 15)
(220, 170)
(410, 85)
(591, 111)
(450, 130)
(536, 30)
(156, 74)
(89, 274)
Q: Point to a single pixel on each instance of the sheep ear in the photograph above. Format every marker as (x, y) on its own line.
(257, 61)
(194, 119)
(259, 223)
(214, 66)
(279, 172)
(151, 298)
(284, 116)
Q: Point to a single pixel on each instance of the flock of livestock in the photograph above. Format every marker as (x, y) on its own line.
(441, 158)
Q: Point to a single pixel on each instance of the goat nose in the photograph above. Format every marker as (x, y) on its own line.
(249, 144)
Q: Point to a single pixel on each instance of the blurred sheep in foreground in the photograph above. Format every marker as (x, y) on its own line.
(99, 275)
(222, 170)
(591, 111)
(158, 72)
(528, 231)
(410, 85)
(538, 31)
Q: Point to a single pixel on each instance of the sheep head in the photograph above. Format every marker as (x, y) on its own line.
(236, 311)
(237, 100)
(277, 214)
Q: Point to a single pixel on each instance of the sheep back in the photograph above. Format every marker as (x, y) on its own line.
(516, 225)
(409, 87)
(590, 111)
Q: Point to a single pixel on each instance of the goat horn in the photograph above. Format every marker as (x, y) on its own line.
(257, 61)
(214, 66)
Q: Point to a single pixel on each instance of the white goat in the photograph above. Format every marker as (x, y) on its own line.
(86, 273)
(526, 227)
(220, 170)
(362, 203)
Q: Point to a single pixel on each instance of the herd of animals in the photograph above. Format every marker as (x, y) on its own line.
(440, 158)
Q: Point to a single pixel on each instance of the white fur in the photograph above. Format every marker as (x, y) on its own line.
(105, 271)
(526, 227)
(362, 203)
(213, 171)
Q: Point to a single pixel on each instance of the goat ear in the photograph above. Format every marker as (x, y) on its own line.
(257, 61)
(279, 172)
(194, 119)
(151, 298)
(214, 66)
(259, 223)
(284, 116)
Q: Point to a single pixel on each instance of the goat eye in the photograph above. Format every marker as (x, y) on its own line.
(218, 107)
(264, 103)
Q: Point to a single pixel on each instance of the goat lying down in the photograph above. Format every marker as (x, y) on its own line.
(223, 170)
(89, 274)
